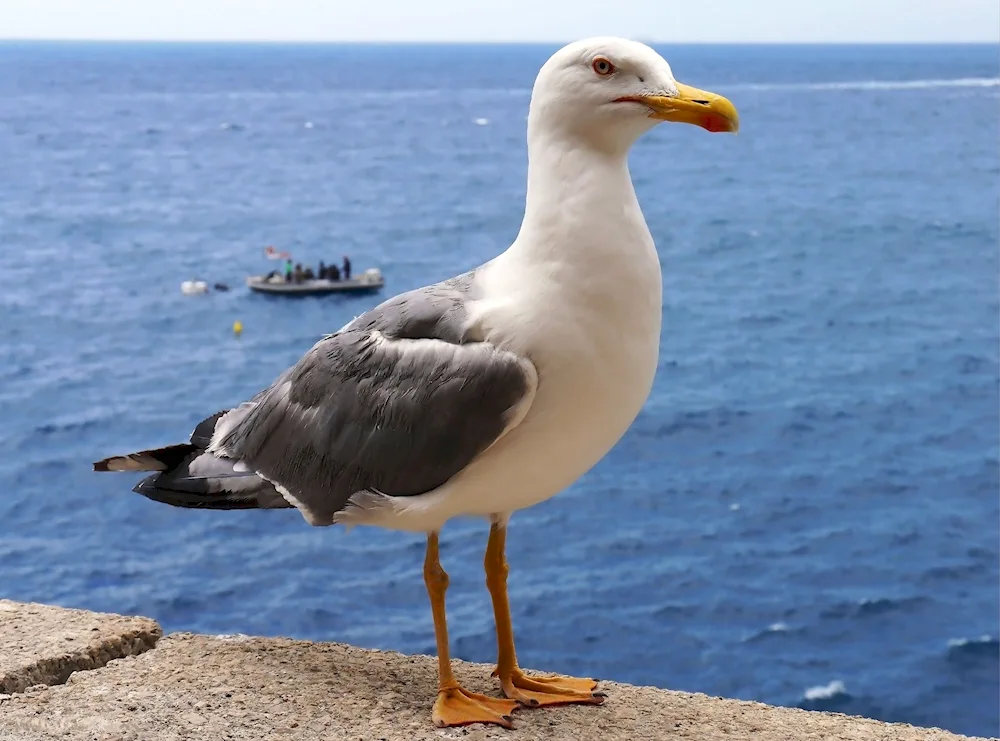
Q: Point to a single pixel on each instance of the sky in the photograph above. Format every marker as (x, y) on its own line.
(505, 20)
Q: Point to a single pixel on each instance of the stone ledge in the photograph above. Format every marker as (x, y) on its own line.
(40, 644)
(243, 688)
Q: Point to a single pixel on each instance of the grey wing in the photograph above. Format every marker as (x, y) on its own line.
(364, 410)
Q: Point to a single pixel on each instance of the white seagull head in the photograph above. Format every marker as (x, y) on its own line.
(605, 92)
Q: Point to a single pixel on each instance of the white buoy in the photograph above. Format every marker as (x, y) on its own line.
(194, 287)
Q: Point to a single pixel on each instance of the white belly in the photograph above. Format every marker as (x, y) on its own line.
(566, 432)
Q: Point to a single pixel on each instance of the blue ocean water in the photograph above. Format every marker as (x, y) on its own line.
(806, 511)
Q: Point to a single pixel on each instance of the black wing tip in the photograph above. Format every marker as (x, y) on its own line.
(149, 488)
(146, 484)
(102, 465)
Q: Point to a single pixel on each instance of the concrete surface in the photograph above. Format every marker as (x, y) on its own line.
(241, 688)
(40, 644)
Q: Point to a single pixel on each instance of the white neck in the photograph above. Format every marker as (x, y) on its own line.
(570, 189)
(582, 279)
(583, 244)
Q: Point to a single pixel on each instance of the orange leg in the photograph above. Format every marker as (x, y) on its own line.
(529, 691)
(454, 705)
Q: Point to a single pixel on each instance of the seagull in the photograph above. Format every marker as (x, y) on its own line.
(485, 393)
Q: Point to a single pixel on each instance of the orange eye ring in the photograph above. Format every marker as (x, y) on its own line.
(602, 66)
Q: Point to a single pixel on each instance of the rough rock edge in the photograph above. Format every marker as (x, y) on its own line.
(57, 669)
(36, 714)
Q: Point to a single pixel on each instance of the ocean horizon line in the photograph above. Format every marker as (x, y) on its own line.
(13, 41)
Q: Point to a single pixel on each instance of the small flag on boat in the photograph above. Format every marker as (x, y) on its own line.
(272, 254)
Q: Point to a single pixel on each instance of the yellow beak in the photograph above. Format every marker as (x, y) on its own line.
(692, 106)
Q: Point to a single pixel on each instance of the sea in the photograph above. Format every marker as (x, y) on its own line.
(805, 512)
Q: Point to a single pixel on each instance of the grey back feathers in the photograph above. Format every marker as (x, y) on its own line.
(395, 404)
(435, 312)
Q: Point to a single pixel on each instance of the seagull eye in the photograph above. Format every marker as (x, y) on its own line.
(602, 66)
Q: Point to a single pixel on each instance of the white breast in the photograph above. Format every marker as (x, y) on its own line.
(594, 336)
(592, 330)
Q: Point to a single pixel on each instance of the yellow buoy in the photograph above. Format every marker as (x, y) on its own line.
(237, 327)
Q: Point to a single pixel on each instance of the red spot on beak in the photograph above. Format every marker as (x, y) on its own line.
(716, 124)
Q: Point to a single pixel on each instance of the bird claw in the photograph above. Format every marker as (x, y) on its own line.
(534, 692)
(456, 706)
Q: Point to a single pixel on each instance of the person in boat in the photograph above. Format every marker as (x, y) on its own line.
(297, 273)
(321, 273)
(288, 270)
(347, 268)
(333, 272)
(308, 274)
